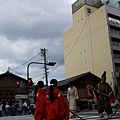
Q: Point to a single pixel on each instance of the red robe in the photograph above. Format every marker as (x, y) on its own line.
(57, 110)
(40, 109)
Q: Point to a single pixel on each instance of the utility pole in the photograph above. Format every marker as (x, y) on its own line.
(43, 52)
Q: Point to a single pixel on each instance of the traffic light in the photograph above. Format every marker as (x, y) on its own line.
(51, 63)
(30, 84)
(30, 89)
(18, 84)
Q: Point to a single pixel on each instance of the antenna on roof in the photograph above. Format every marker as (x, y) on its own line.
(8, 69)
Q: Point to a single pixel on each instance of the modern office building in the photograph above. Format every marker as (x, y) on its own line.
(93, 42)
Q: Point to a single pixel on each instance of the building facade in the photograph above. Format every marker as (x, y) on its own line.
(93, 42)
(80, 82)
(13, 88)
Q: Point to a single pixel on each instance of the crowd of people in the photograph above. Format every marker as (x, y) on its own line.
(52, 105)
(49, 105)
(16, 108)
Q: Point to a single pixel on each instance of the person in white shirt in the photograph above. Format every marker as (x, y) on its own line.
(1, 106)
(25, 107)
(7, 109)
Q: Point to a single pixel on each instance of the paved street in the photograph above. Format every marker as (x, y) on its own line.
(86, 115)
(93, 115)
(23, 117)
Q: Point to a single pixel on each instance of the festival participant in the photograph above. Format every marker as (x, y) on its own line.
(57, 106)
(1, 108)
(40, 107)
(104, 99)
(72, 96)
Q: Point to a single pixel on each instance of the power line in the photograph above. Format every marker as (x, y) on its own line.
(26, 62)
(67, 45)
(71, 48)
(18, 72)
(59, 49)
(54, 52)
(93, 31)
(71, 43)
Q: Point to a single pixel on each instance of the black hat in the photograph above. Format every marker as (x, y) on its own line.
(104, 74)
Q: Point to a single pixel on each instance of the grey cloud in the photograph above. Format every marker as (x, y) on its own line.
(28, 25)
(36, 22)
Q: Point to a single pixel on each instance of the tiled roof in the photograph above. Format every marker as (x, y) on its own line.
(9, 73)
(66, 81)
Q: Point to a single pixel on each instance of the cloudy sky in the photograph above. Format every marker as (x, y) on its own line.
(26, 26)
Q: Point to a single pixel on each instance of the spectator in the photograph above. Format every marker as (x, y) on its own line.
(25, 107)
(32, 107)
(18, 108)
(1, 106)
(13, 110)
(7, 109)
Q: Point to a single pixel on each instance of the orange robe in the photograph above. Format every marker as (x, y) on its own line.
(57, 110)
(40, 108)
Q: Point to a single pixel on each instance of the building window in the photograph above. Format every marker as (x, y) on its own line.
(79, 31)
(114, 18)
(0, 93)
(115, 30)
(84, 50)
(7, 93)
(82, 40)
(117, 67)
(116, 43)
(85, 61)
(88, 11)
(11, 94)
(117, 56)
